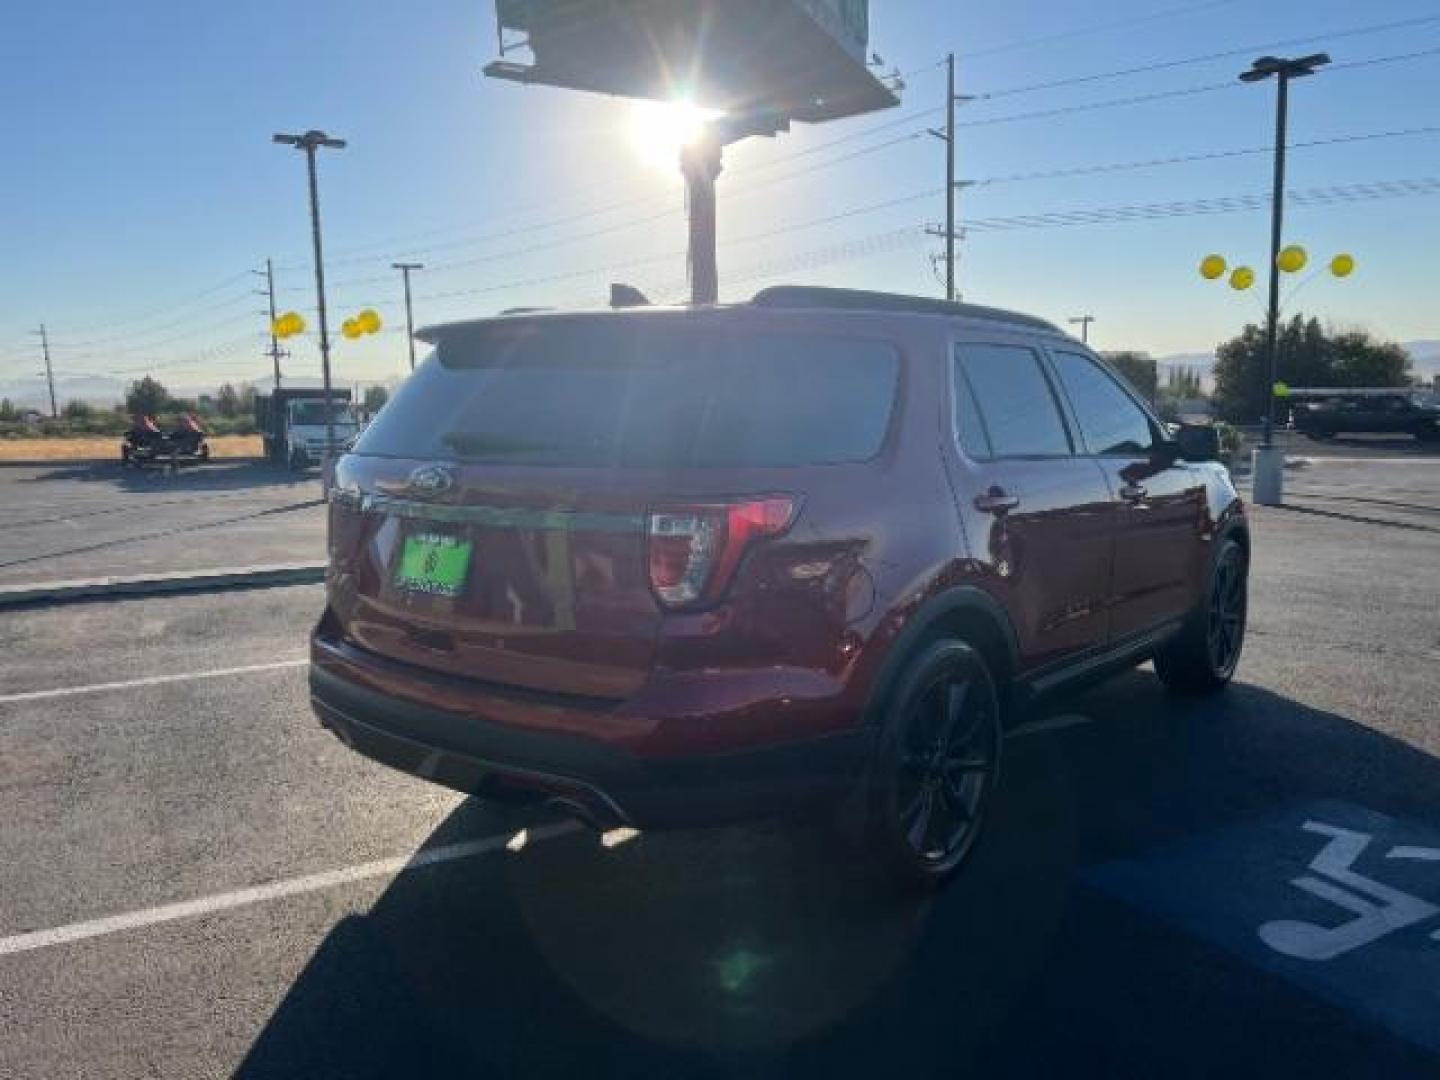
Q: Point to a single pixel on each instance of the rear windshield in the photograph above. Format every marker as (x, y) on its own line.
(307, 413)
(642, 395)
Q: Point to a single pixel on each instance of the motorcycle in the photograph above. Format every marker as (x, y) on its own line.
(146, 444)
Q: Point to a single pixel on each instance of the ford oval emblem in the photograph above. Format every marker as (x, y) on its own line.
(431, 480)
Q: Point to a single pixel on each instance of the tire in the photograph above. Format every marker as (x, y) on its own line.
(936, 764)
(1202, 658)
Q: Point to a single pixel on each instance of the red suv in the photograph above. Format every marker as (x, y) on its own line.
(665, 567)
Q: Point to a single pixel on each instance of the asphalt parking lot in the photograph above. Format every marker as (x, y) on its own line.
(198, 881)
(67, 522)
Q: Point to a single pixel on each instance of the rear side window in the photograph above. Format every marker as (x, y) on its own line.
(640, 394)
(1005, 407)
(1109, 418)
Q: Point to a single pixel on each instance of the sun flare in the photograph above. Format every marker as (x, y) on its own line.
(659, 130)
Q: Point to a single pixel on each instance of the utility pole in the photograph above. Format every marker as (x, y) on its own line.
(310, 142)
(950, 177)
(275, 351)
(405, 269)
(1269, 472)
(1083, 321)
(952, 186)
(49, 371)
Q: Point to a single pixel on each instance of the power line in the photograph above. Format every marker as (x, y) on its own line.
(130, 320)
(897, 238)
(146, 345)
(110, 340)
(1225, 54)
(889, 125)
(1094, 28)
(1114, 215)
(1212, 155)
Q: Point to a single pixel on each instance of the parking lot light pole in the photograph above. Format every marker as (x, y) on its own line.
(310, 142)
(1269, 463)
(405, 269)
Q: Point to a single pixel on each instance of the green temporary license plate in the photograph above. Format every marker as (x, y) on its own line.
(434, 563)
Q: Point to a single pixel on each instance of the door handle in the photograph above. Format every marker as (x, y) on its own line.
(1133, 493)
(996, 501)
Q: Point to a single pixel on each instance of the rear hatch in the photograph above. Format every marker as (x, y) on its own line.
(542, 491)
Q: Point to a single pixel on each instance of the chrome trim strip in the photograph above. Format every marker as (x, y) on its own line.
(495, 517)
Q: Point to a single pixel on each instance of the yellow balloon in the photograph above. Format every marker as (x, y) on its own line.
(1212, 266)
(1292, 259)
(351, 329)
(1342, 265)
(288, 325)
(368, 321)
(1241, 278)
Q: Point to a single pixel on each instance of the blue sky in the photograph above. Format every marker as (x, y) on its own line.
(141, 184)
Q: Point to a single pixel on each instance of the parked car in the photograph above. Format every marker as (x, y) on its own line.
(673, 567)
(1388, 412)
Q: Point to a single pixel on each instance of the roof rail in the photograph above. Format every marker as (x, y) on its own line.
(818, 297)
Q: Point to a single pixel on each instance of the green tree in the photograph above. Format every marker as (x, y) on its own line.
(8, 412)
(375, 399)
(1358, 361)
(1183, 383)
(147, 397)
(1139, 368)
(227, 401)
(75, 409)
(1309, 355)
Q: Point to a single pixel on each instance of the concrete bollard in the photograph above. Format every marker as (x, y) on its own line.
(1268, 473)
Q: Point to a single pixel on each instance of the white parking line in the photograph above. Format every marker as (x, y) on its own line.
(151, 680)
(208, 905)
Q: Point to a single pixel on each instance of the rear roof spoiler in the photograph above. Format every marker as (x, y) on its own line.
(812, 297)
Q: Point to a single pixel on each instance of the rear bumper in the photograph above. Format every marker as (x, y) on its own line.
(600, 780)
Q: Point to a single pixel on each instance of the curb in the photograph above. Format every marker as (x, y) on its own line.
(49, 593)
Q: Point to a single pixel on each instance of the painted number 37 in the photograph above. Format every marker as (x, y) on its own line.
(1376, 909)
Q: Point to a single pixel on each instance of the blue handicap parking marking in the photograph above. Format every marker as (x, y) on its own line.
(1341, 900)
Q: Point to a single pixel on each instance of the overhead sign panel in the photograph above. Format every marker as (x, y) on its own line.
(795, 59)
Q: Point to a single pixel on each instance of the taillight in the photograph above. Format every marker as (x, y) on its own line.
(694, 550)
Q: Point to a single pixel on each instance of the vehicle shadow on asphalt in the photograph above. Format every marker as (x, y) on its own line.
(241, 475)
(776, 950)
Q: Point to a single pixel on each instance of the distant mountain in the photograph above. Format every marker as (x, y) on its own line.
(31, 391)
(1425, 355)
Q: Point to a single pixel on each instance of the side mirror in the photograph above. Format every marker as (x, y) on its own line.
(1197, 442)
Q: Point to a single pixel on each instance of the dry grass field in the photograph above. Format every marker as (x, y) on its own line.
(93, 447)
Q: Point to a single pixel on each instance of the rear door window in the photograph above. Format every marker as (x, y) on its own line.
(631, 394)
(1005, 406)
